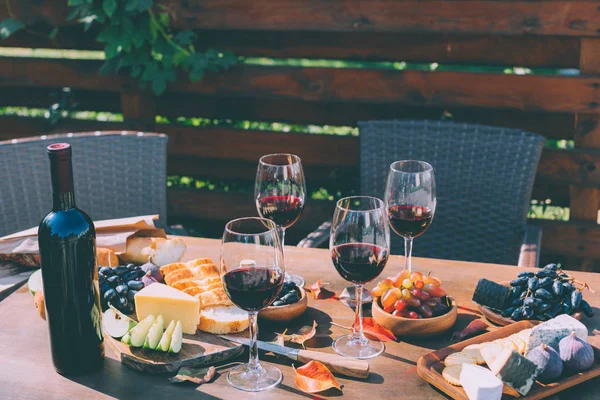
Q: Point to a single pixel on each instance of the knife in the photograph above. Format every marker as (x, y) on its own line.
(339, 364)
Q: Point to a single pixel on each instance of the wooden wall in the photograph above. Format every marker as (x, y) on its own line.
(540, 34)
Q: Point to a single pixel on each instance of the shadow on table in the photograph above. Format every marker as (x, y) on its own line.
(322, 338)
(444, 339)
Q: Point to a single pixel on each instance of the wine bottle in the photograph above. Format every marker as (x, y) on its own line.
(67, 242)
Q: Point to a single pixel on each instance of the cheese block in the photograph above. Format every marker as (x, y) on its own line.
(552, 331)
(515, 370)
(491, 351)
(172, 304)
(479, 383)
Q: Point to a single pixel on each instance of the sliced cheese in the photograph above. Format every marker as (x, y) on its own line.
(552, 331)
(172, 304)
(490, 351)
(515, 370)
(479, 383)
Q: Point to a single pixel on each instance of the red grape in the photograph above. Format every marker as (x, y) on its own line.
(400, 305)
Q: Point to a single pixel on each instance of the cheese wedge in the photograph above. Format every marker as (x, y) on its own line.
(172, 304)
(479, 383)
(552, 331)
(515, 370)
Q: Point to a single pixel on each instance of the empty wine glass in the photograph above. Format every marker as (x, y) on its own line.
(359, 246)
(410, 201)
(252, 273)
(279, 192)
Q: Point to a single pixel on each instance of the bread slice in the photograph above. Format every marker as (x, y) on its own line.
(214, 297)
(200, 271)
(166, 269)
(223, 320)
(194, 290)
(193, 282)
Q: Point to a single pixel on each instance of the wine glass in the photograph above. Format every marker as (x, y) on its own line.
(359, 246)
(252, 272)
(279, 192)
(410, 201)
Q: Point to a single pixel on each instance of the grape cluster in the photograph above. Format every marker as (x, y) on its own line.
(289, 294)
(119, 285)
(545, 294)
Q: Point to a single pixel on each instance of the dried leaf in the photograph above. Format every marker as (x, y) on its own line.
(304, 333)
(315, 377)
(196, 375)
(374, 331)
(348, 296)
(475, 327)
(318, 291)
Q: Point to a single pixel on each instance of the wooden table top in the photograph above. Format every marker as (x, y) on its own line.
(26, 370)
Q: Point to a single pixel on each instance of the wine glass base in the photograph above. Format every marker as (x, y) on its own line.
(349, 346)
(297, 279)
(256, 380)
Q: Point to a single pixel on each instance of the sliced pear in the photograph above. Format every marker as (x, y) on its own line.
(155, 333)
(127, 339)
(165, 340)
(117, 324)
(176, 339)
(35, 282)
(139, 333)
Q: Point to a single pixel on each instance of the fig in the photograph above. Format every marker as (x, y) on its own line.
(153, 271)
(548, 360)
(577, 354)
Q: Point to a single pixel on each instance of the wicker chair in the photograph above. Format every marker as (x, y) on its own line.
(484, 178)
(117, 174)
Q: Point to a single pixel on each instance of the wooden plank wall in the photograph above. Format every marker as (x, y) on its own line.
(541, 34)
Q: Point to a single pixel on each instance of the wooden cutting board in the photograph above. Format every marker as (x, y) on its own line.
(201, 349)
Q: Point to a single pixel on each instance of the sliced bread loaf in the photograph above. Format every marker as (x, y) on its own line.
(223, 320)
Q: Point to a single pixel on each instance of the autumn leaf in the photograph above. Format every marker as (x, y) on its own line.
(318, 291)
(195, 375)
(374, 331)
(305, 333)
(315, 377)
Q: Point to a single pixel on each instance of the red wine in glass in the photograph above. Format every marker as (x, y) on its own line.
(252, 288)
(359, 262)
(408, 220)
(283, 210)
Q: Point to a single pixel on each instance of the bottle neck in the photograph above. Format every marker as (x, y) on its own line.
(63, 194)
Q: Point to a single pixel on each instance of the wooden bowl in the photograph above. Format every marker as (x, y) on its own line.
(497, 319)
(424, 327)
(287, 312)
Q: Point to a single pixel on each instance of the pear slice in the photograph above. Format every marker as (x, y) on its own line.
(155, 333)
(165, 340)
(139, 333)
(117, 324)
(176, 339)
(127, 339)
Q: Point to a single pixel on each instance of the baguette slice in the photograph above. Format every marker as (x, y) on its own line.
(223, 320)
(214, 297)
(205, 284)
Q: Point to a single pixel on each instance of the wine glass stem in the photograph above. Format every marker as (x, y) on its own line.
(253, 363)
(408, 254)
(281, 231)
(357, 329)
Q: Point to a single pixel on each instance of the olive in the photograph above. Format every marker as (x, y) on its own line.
(546, 282)
(525, 274)
(587, 309)
(508, 312)
(106, 271)
(135, 285)
(277, 303)
(522, 281)
(121, 270)
(557, 288)
(290, 298)
(533, 284)
(110, 294)
(551, 267)
(576, 298)
(546, 274)
(122, 289)
(114, 280)
(543, 294)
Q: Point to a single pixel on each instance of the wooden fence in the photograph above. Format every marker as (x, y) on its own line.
(540, 34)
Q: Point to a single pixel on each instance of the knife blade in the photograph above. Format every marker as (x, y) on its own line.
(339, 364)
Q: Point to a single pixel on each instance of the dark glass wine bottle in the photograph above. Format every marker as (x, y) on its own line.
(67, 241)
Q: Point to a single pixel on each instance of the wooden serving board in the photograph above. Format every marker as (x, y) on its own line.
(430, 366)
(201, 349)
(498, 319)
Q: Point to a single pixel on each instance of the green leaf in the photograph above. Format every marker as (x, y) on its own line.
(163, 19)
(53, 33)
(144, 5)
(158, 86)
(196, 75)
(109, 7)
(112, 49)
(77, 2)
(185, 38)
(109, 34)
(9, 26)
(153, 31)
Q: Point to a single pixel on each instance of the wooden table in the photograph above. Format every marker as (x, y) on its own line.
(26, 370)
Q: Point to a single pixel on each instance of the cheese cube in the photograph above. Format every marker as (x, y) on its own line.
(174, 305)
(479, 383)
(515, 370)
(552, 331)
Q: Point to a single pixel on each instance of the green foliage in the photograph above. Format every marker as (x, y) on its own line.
(139, 41)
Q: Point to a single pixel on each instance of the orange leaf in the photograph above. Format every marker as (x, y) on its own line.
(318, 291)
(315, 377)
(305, 333)
(374, 331)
